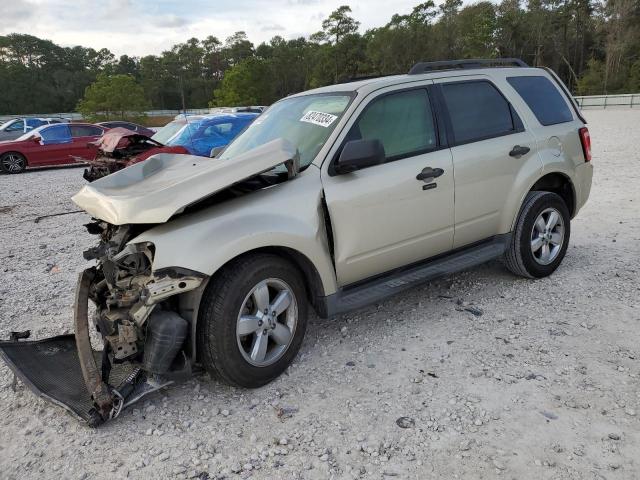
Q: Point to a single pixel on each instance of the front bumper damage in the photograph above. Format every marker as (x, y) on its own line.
(143, 337)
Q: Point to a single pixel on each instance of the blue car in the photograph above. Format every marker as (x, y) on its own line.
(200, 135)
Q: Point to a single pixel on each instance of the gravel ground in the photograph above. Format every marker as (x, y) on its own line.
(545, 384)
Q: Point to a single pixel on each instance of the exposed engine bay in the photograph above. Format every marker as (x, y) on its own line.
(126, 293)
(139, 337)
(120, 148)
(135, 317)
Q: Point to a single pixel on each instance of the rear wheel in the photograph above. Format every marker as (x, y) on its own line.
(13, 162)
(252, 320)
(541, 236)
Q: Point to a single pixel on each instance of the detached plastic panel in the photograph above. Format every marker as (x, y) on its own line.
(50, 367)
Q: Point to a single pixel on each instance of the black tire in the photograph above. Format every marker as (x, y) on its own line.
(15, 168)
(519, 257)
(217, 344)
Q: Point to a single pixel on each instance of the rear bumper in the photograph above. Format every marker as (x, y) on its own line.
(583, 179)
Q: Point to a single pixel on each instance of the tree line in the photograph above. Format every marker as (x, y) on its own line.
(594, 45)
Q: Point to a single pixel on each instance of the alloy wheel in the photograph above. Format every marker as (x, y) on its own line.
(267, 322)
(12, 163)
(547, 236)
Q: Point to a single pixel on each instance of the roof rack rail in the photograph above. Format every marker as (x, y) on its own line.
(363, 77)
(424, 67)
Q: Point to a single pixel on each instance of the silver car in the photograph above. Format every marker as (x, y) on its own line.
(332, 199)
(14, 128)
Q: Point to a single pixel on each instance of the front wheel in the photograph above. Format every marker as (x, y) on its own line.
(541, 237)
(13, 162)
(252, 320)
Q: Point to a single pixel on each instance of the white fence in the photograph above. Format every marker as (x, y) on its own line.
(629, 100)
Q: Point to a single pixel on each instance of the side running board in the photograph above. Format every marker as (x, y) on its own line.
(387, 285)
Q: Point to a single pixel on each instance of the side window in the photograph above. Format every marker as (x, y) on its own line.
(16, 126)
(34, 123)
(543, 98)
(223, 128)
(478, 111)
(85, 131)
(403, 122)
(55, 134)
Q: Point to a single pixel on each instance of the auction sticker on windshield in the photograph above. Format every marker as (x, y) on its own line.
(318, 118)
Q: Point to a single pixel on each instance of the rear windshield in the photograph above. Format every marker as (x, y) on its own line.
(543, 98)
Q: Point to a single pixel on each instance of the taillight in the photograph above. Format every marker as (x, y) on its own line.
(585, 139)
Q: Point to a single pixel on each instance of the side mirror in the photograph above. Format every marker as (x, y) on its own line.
(36, 139)
(359, 154)
(215, 151)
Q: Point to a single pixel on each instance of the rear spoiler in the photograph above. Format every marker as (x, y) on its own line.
(566, 92)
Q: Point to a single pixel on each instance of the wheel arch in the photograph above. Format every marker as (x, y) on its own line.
(26, 159)
(560, 184)
(557, 182)
(189, 303)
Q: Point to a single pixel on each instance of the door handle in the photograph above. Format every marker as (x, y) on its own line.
(428, 173)
(518, 151)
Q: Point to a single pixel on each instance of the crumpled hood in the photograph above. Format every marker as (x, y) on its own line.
(156, 189)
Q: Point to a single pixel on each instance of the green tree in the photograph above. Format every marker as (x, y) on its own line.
(113, 97)
(247, 83)
(340, 30)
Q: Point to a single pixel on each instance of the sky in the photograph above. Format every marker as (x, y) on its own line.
(143, 27)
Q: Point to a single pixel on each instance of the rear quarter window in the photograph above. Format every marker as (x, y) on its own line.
(85, 131)
(543, 98)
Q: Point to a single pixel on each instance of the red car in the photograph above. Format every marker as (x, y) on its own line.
(118, 148)
(134, 127)
(58, 144)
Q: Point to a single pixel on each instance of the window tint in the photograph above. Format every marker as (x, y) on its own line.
(403, 122)
(55, 134)
(85, 131)
(477, 110)
(34, 123)
(543, 98)
(17, 126)
(223, 128)
(128, 126)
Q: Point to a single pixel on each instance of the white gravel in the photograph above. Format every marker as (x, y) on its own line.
(544, 385)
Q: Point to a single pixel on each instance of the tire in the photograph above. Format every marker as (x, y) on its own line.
(526, 255)
(226, 305)
(13, 162)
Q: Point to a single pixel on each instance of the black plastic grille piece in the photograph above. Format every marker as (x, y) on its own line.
(50, 367)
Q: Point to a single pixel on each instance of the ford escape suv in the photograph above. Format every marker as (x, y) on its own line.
(332, 199)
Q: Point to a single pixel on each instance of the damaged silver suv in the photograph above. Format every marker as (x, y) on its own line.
(332, 199)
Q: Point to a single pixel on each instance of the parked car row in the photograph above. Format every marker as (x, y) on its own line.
(16, 127)
(52, 143)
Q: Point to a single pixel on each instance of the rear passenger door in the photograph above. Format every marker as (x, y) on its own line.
(490, 149)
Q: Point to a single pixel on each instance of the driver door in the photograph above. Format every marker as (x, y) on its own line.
(382, 216)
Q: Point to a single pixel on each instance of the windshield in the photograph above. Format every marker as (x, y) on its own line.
(168, 131)
(305, 121)
(13, 125)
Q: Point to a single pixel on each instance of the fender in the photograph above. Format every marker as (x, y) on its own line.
(286, 215)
